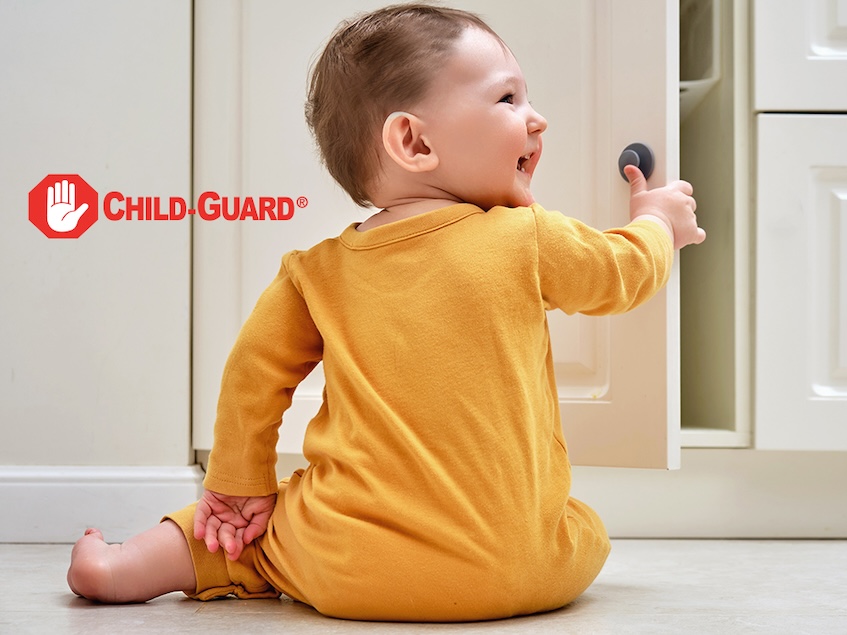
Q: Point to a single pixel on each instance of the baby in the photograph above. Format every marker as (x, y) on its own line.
(437, 486)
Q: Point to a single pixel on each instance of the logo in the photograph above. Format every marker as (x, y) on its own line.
(63, 206)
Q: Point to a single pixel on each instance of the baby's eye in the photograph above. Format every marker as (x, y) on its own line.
(508, 99)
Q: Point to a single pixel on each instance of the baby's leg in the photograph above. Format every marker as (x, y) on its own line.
(146, 566)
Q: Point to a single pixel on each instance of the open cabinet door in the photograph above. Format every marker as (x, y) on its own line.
(604, 74)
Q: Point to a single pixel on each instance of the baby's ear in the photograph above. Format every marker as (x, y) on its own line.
(405, 142)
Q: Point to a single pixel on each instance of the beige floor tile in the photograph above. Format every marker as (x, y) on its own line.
(655, 587)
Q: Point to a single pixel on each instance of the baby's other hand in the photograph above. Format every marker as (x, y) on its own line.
(231, 521)
(672, 206)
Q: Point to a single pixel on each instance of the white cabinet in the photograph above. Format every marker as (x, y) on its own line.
(618, 377)
(801, 231)
(801, 299)
(795, 400)
(798, 330)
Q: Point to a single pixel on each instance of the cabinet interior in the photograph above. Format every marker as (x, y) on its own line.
(714, 285)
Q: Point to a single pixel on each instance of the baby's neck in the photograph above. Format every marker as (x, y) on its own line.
(403, 210)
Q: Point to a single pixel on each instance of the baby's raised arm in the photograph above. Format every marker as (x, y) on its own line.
(671, 206)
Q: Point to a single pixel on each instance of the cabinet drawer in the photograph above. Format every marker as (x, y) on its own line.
(801, 294)
(800, 55)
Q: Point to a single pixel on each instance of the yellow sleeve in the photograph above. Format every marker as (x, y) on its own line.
(277, 347)
(584, 270)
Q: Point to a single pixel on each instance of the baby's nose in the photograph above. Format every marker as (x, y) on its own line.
(536, 123)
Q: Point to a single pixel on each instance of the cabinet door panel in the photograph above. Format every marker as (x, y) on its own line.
(618, 377)
(800, 51)
(801, 301)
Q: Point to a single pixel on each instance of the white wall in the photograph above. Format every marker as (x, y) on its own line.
(94, 332)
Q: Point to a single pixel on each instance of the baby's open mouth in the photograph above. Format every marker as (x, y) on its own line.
(522, 161)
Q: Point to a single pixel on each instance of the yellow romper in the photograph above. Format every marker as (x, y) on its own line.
(438, 480)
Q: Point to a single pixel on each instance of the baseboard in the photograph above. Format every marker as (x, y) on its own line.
(57, 503)
(718, 493)
(723, 494)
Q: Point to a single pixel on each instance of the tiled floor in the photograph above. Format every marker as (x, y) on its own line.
(662, 586)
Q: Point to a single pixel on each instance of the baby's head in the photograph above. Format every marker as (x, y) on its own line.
(375, 65)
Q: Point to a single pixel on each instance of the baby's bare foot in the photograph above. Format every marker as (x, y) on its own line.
(146, 566)
(90, 573)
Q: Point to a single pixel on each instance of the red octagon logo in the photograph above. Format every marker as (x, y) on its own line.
(63, 206)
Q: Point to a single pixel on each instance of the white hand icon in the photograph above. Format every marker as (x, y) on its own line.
(61, 201)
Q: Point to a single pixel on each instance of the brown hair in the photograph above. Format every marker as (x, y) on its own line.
(373, 65)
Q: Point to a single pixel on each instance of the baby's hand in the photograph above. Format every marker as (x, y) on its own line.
(671, 205)
(231, 521)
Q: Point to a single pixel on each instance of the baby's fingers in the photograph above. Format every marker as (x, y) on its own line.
(683, 186)
(201, 519)
(258, 525)
(210, 536)
(199, 525)
(689, 234)
(231, 540)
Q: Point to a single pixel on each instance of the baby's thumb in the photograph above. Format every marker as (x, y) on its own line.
(637, 182)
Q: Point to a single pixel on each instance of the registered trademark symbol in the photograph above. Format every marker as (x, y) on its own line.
(302, 202)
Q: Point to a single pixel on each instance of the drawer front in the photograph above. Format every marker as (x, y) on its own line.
(801, 286)
(800, 55)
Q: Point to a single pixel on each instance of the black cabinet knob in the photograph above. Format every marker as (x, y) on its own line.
(639, 155)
